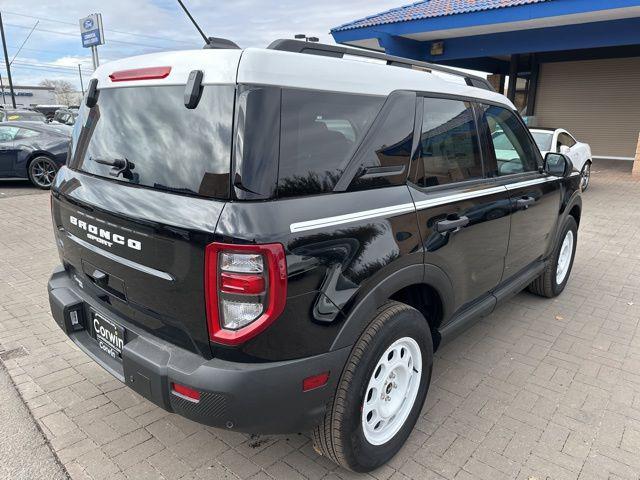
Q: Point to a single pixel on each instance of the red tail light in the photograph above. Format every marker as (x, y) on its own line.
(147, 73)
(242, 283)
(245, 289)
(190, 393)
(315, 381)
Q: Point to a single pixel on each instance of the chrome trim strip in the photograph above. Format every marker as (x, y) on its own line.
(456, 197)
(350, 217)
(409, 207)
(528, 183)
(123, 261)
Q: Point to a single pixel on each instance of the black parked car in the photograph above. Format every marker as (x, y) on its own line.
(33, 151)
(65, 116)
(277, 240)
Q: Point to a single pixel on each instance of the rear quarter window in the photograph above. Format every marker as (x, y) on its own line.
(319, 134)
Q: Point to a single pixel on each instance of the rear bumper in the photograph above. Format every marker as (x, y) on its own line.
(253, 398)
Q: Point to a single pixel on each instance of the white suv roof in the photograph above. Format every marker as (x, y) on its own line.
(289, 69)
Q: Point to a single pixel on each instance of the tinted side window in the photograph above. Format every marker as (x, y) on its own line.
(449, 147)
(510, 144)
(257, 142)
(319, 134)
(385, 153)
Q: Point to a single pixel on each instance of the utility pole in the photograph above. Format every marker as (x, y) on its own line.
(6, 61)
(4, 102)
(81, 84)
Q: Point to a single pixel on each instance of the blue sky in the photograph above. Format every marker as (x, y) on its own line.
(134, 27)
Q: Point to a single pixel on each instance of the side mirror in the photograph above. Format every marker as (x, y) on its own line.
(558, 164)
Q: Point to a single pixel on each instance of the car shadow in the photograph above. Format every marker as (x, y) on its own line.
(16, 187)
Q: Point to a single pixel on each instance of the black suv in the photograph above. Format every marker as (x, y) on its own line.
(275, 240)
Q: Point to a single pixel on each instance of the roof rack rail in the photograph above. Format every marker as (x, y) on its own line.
(338, 51)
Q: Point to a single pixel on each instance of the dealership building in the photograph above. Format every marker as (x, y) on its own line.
(573, 64)
(27, 96)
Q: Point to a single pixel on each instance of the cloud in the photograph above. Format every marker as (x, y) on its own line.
(159, 25)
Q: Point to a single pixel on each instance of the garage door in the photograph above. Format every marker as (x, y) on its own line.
(597, 100)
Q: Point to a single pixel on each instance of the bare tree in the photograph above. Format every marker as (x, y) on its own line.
(65, 92)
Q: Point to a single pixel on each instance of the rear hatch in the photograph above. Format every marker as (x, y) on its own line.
(147, 179)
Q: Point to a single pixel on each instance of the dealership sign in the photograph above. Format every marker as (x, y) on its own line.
(17, 94)
(91, 30)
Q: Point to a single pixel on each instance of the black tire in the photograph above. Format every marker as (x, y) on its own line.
(585, 176)
(341, 436)
(42, 170)
(546, 284)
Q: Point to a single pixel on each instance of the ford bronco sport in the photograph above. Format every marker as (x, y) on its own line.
(276, 240)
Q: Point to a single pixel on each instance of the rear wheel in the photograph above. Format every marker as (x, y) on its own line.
(381, 391)
(585, 175)
(556, 274)
(42, 171)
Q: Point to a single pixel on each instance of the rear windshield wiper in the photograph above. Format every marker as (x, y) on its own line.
(120, 166)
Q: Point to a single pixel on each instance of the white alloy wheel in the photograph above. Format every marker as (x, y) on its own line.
(392, 391)
(585, 176)
(564, 258)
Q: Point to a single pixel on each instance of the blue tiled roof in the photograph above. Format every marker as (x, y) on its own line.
(431, 9)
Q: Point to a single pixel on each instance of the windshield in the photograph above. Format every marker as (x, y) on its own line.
(166, 145)
(543, 140)
(26, 116)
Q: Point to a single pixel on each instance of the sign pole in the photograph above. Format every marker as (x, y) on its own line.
(92, 35)
(94, 56)
(6, 61)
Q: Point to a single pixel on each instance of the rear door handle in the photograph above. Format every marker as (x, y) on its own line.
(525, 202)
(449, 225)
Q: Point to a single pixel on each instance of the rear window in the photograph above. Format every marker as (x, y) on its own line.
(171, 147)
(319, 134)
(543, 140)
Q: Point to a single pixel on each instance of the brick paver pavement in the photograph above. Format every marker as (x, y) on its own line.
(540, 389)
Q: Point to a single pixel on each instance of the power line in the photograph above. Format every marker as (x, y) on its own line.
(75, 36)
(46, 72)
(24, 41)
(46, 67)
(49, 66)
(106, 30)
(57, 52)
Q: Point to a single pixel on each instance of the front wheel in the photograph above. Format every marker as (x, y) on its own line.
(555, 276)
(585, 175)
(42, 171)
(381, 392)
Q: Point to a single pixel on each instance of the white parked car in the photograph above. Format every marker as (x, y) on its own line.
(559, 140)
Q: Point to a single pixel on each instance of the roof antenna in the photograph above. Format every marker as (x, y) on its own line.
(209, 42)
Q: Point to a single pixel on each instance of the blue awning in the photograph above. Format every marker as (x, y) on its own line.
(484, 33)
